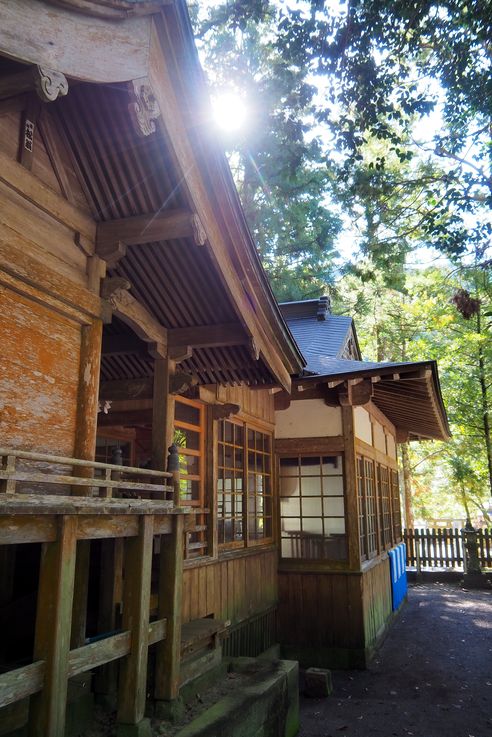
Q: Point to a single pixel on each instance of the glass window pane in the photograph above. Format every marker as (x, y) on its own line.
(289, 487)
(310, 466)
(311, 507)
(312, 526)
(331, 465)
(186, 413)
(228, 431)
(289, 466)
(290, 507)
(333, 486)
(311, 486)
(334, 526)
(334, 507)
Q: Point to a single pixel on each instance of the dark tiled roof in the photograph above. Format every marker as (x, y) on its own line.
(319, 340)
(327, 366)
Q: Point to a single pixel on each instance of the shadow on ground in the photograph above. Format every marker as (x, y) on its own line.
(431, 678)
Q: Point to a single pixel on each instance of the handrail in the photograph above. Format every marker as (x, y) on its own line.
(115, 476)
(64, 461)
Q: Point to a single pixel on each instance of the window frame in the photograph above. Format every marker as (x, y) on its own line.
(247, 541)
(300, 455)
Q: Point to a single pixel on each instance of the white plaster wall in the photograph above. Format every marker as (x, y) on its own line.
(391, 446)
(362, 425)
(379, 439)
(308, 418)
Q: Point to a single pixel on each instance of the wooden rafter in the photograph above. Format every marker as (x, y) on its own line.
(208, 336)
(136, 231)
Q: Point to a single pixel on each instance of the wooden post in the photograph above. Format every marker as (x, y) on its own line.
(162, 412)
(170, 606)
(85, 448)
(136, 606)
(87, 400)
(105, 682)
(52, 637)
(351, 511)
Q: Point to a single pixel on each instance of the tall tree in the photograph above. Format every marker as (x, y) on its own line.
(281, 173)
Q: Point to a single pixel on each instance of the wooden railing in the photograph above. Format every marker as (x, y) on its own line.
(31, 472)
(443, 548)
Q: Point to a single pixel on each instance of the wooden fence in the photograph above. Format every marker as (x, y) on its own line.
(443, 548)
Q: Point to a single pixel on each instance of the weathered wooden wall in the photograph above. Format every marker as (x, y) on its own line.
(333, 619)
(46, 294)
(231, 589)
(376, 600)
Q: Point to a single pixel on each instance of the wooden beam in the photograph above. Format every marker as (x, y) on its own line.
(133, 313)
(357, 394)
(126, 389)
(151, 228)
(170, 607)
(52, 637)
(162, 412)
(224, 411)
(47, 83)
(209, 336)
(136, 608)
(91, 49)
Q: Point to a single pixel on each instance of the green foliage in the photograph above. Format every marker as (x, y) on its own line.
(281, 173)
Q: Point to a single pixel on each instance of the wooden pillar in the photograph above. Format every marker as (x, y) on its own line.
(162, 412)
(52, 637)
(110, 590)
(136, 606)
(85, 448)
(170, 606)
(88, 398)
(352, 512)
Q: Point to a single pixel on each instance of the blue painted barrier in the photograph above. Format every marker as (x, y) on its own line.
(398, 574)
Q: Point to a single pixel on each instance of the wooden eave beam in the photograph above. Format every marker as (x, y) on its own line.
(209, 336)
(125, 389)
(114, 236)
(165, 69)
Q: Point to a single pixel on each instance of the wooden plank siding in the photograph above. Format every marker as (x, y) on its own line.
(231, 589)
(331, 619)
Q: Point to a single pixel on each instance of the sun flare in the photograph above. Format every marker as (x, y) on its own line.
(230, 111)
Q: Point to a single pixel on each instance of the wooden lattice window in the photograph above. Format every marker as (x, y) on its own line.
(244, 485)
(371, 508)
(384, 506)
(312, 507)
(395, 503)
(362, 509)
(189, 436)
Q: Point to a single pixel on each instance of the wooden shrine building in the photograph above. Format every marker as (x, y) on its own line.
(155, 405)
(336, 444)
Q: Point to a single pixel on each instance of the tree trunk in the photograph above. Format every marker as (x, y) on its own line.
(407, 485)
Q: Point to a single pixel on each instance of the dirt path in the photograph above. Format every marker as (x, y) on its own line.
(431, 678)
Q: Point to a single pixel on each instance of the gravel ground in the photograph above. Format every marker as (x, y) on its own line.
(431, 678)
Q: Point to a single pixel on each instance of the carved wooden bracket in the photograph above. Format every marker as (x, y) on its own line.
(180, 353)
(356, 394)
(143, 107)
(224, 411)
(49, 84)
(114, 291)
(180, 382)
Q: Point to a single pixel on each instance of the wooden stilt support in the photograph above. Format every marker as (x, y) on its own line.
(170, 597)
(53, 624)
(136, 605)
(105, 684)
(162, 412)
